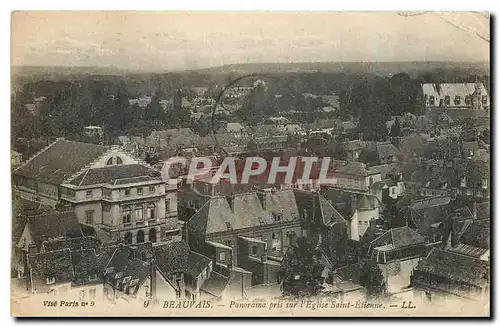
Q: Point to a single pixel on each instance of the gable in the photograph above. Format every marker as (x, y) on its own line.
(26, 239)
(115, 155)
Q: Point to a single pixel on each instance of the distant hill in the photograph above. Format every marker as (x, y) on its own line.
(55, 72)
(377, 68)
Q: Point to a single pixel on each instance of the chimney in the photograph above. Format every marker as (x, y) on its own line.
(32, 249)
(152, 266)
(132, 252)
(230, 201)
(262, 198)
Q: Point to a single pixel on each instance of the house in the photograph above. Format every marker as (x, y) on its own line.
(397, 252)
(232, 128)
(268, 143)
(290, 128)
(367, 210)
(444, 274)
(93, 131)
(68, 273)
(15, 159)
(243, 228)
(105, 187)
(456, 95)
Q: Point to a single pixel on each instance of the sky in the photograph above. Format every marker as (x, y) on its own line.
(192, 40)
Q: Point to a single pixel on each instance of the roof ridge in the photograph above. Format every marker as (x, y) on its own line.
(38, 153)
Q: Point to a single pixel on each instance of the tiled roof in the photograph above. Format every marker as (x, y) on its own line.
(54, 225)
(451, 89)
(171, 257)
(216, 215)
(455, 267)
(174, 132)
(353, 168)
(77, 243)
(398, 237)
(468, 250)
(60, 160)
(386, 150)
(90, 262)
(196, 263)
(48, 265)
(404, 236)
(129, 261)
(116, 174)
(233, 127)
(477, 234)
(215, 284)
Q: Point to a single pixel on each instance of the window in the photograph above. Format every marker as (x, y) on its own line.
(393, 190)
(92, 294)
(127, 192)
(359, 222)
(457, 100)
(139, 213)
(89, 217)
(447, 100)
(484, 99)
(463, 182)
(468, 100)
(484, 184)
(228, 243)
(275, 236)
(139, 190)
(128, 238)
(151, 211)
(119, 161)
(228, 225)
(127, 215)
(51, 280)
(152, 235)
(254, 250)
(152, 188)
(167, 205)
(89, 194)
(222, 256)
(140, 236)
(431, 100)
(110, 161)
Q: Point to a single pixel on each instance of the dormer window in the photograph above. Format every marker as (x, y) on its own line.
(468, 100)
(431, 100)
(457, 100)
(484, 184)
(447, 100)
(51, 280)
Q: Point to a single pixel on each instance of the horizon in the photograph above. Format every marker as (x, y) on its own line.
(183, 41)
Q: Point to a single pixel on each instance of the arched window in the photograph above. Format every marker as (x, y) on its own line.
(110, 161)
(119, 161)
(140, 236)
(152, 235)
(128, 238)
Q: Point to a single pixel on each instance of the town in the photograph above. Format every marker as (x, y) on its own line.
(406, 209)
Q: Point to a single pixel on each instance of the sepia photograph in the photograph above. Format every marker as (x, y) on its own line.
(244, 164)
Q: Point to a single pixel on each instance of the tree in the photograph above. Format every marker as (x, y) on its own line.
(395, 129)
(371, 278)
(301, 270)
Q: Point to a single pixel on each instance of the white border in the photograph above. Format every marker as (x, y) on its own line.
(7, 7)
